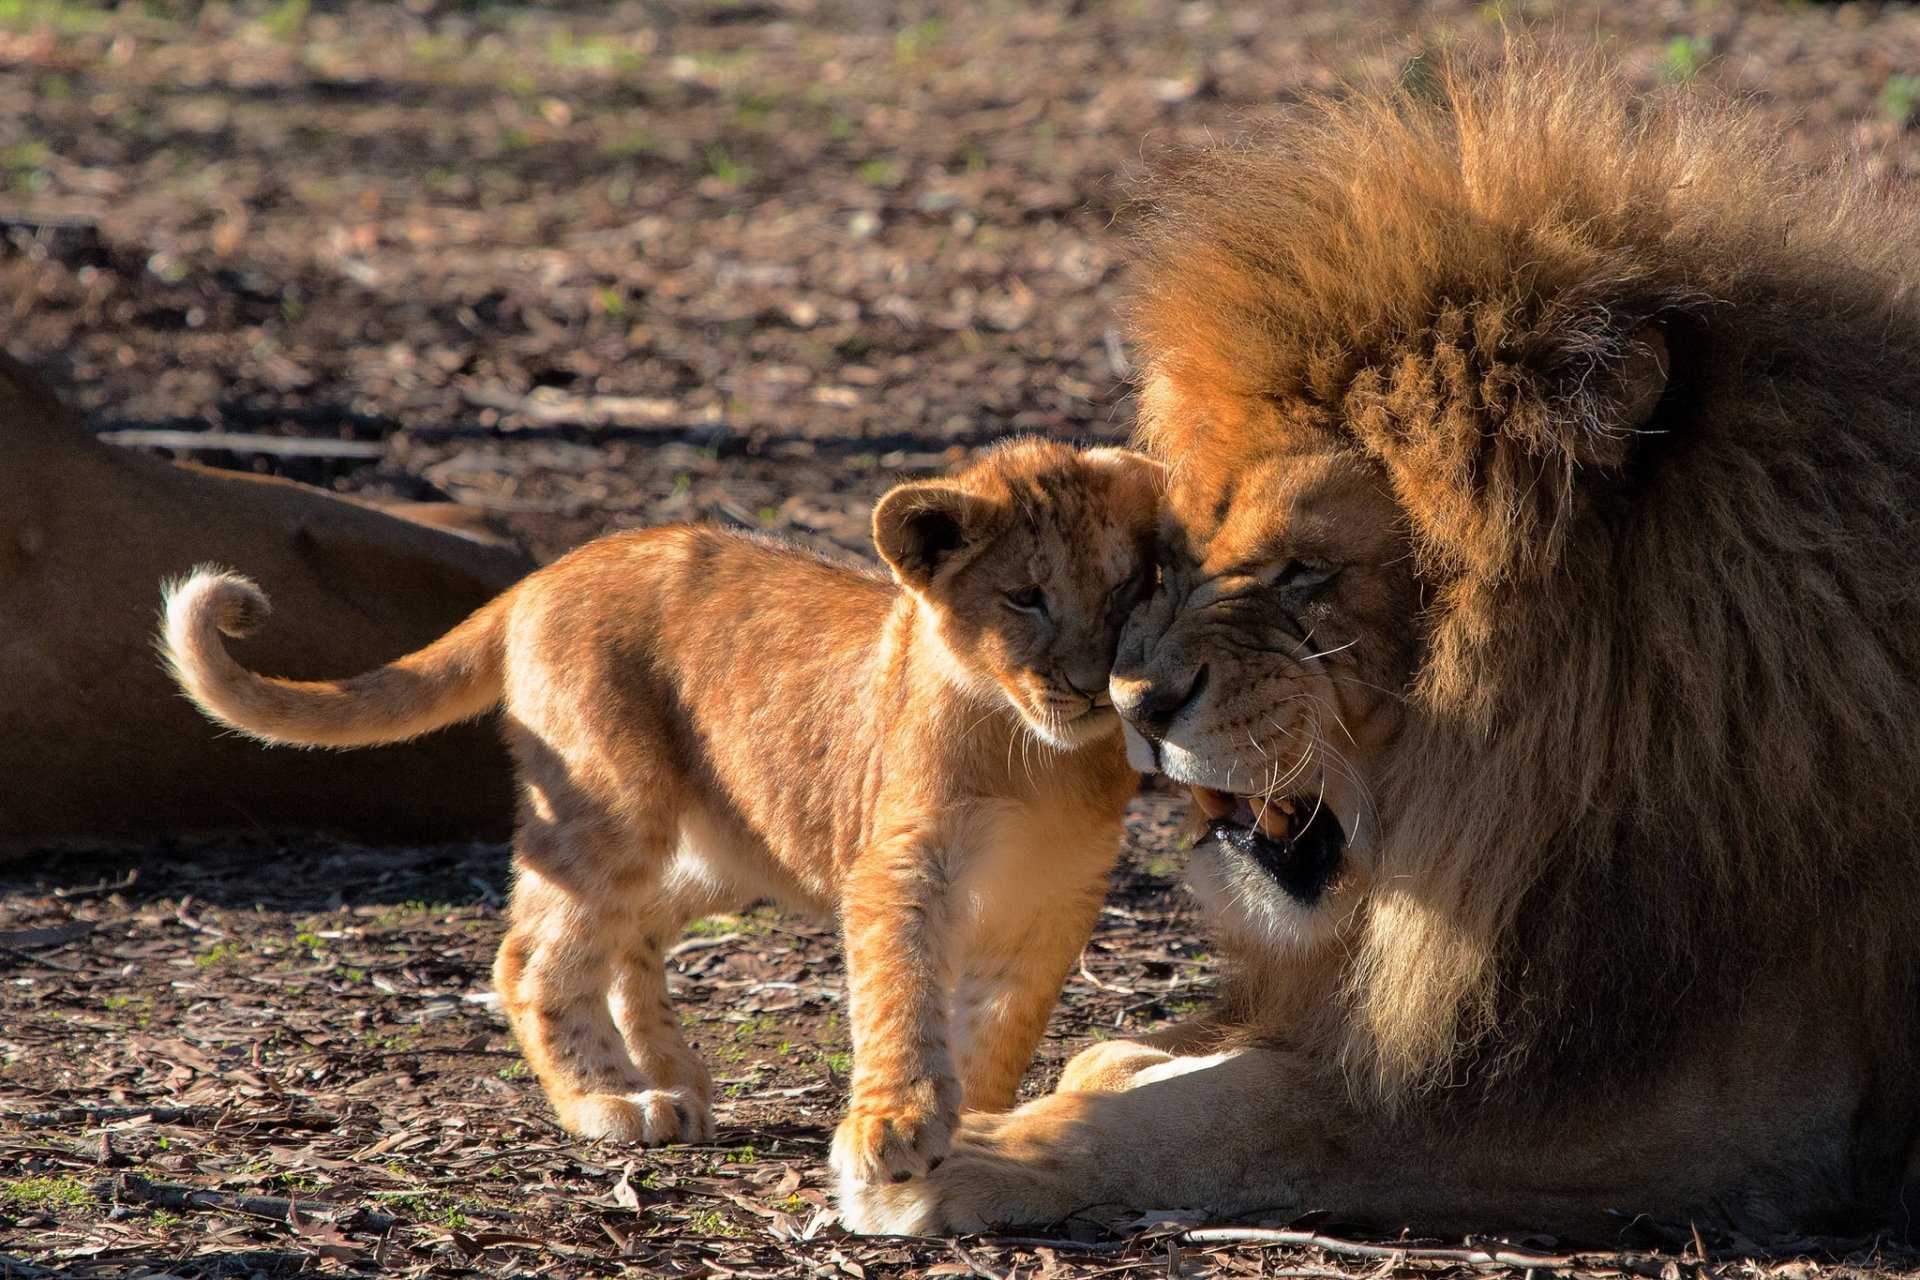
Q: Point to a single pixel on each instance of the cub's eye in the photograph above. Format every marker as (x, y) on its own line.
(1304, 575)
(1028, 599)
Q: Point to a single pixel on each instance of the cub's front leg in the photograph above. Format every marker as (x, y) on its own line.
(905, 1097)
(1016, 958)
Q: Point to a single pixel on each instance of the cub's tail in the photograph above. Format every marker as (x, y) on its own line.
(455, 678)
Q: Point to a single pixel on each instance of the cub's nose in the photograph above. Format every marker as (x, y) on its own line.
(1152, 704)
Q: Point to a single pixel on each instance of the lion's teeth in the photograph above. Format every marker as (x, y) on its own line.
(1215, 804)
(1274, 820)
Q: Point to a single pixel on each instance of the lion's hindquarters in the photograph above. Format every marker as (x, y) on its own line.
(455, 678)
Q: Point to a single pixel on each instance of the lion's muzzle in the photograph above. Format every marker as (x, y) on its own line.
(1298, 841)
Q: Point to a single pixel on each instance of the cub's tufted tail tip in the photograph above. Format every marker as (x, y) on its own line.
(235, 605)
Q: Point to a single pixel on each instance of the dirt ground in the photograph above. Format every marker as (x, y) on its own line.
(590, 267)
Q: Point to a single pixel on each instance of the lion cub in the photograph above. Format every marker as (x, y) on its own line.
(702, 719)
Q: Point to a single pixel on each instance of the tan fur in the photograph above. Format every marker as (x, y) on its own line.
(1607, 422)
(702, 719)
(96, 745)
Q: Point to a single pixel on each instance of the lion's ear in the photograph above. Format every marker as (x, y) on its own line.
(927, 527)
(1488, 453)
(1629, 392)
(1643, 377)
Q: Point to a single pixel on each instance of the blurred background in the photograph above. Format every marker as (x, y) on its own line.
(746, 260)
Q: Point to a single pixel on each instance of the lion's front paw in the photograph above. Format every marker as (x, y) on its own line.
(923, 1207)
(883, 1146)
(977, 1185)
(649, 1117)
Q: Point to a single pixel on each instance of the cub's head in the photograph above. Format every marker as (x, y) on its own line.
(1025, 566)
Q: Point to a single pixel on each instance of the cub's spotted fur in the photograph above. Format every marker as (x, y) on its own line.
(701, 719)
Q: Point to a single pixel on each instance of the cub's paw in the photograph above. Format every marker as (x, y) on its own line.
(875, 1146)
(1109, 1066)
(649, 1118)
(958, 1196)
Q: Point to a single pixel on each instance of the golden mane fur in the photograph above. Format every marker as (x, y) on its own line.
(1663, 736)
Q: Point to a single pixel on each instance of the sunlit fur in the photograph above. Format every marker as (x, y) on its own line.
(702, 719)
(1612, 419)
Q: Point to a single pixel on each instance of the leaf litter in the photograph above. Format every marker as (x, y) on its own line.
(584, 268)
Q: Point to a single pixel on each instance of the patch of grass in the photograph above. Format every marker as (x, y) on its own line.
(591, 52)
(721, 926)
(221, 953)
(141, 1007)
(911, 41)
(449, 1211)
(726, 168)
(288, 19)
(59, 15)
(628, 141)
(390, 1042)
(410, 910)
(42, 1191)
(516, 1070)
(1900, 100)
(25, 167)
(713, 1223)
(880, 172)
(841, 1064)
(754, 110)
(1685, 57)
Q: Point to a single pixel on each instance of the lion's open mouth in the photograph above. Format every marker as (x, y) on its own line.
(1296, 840)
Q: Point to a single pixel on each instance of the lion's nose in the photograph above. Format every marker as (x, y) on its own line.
(1153, 704)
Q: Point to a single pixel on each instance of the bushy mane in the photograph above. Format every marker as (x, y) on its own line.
(1649, 399)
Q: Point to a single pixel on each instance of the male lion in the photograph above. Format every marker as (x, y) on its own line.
(1541, 640)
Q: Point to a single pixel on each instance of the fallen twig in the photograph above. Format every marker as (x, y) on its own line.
(1063, 1246)
(69, 1115)
(244, 442)
(54, 936)
(1469, 1256)
(547, 408)
(105, 886)
(974, 1264)
(168, 1195)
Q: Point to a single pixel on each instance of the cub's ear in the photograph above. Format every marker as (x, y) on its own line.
(928, 526)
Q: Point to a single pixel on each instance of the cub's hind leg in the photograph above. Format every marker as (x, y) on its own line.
(644, 1012)
(584, 888)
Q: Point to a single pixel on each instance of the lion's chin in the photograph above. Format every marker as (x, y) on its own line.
(1298, 841)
